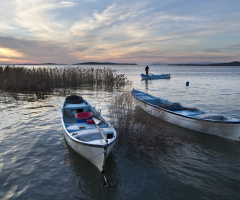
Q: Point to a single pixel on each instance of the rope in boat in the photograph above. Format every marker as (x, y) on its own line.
(36, 187)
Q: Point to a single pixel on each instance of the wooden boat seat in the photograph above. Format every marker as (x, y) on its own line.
(80, 126)
(84, 106)
(93, 134)
(152, 100)
(215, 117)
(188, 112)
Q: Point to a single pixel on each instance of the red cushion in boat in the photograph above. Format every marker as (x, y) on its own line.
(84, 115)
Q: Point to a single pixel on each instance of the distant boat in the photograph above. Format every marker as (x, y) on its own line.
(159, 76)
(190, 118)
(86, 131)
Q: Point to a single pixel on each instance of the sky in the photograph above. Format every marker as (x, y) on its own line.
(133, 31)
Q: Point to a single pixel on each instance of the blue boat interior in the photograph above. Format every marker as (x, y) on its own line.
(85, 129)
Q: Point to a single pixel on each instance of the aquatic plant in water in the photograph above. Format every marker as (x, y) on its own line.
(23, 79)
(139, 133)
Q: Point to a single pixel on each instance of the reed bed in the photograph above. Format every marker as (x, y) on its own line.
(23, 79)
(139, 133)
(132, 123)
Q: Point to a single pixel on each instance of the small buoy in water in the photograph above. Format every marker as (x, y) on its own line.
(187, 83)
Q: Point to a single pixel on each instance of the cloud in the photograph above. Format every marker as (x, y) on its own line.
(35, 18)
(79, 30)
(67, 3)
(36, 51)
(234, 46)
(113, 15)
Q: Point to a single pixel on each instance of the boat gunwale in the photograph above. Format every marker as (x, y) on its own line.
(172, 112)
(169, 74)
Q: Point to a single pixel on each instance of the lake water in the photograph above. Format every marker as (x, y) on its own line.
(36, 163)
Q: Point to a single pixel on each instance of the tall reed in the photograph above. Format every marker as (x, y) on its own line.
(139, 133)
(23, 79)
(132, 123)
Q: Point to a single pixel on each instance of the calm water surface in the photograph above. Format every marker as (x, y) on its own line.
(36, 163)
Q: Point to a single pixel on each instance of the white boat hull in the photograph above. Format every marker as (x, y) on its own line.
(229, 130)
(95, 154)
(89, 140)
(152, 76)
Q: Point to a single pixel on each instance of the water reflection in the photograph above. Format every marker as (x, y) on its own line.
(15, 97)
(86, 179)
(148, 162)
(146, 83)
(9, 97)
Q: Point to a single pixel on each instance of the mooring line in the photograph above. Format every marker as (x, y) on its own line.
(36, 187)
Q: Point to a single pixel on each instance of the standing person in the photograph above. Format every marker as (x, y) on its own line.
(146, 70)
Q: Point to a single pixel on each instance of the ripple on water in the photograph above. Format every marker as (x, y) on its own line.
(36, 163)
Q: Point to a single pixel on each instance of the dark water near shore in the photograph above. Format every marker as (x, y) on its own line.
(36, 163)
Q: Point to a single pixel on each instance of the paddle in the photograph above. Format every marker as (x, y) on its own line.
(97, 121)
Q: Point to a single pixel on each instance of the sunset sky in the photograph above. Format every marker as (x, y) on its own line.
(133, 31)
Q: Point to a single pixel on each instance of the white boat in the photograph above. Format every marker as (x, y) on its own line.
(190, 118)
(159, 76)
(86, 131)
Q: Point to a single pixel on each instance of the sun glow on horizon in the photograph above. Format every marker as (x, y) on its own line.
(9, 53)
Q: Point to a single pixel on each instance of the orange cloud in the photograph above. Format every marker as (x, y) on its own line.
(9, 53)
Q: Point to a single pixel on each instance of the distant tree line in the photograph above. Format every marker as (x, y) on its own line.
(104, 63)
(234, 63)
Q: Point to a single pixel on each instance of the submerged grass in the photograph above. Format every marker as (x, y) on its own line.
(23, 79)
(136, 127)
(139, 133)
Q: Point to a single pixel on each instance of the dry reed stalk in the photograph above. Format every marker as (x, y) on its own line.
(22, 79)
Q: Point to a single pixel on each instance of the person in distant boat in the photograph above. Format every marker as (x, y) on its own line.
(146, 70)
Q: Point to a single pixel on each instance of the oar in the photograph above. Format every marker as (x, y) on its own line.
(97, 122)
